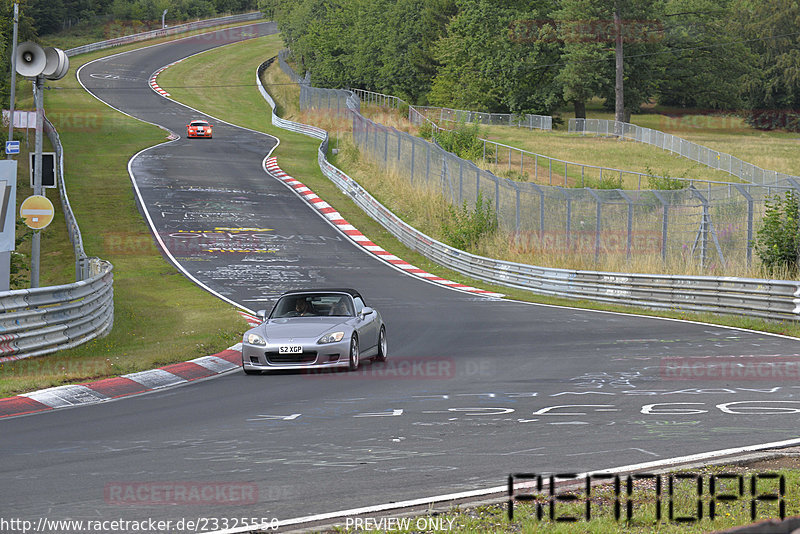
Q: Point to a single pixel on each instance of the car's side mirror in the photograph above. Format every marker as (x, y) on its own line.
(262, 314)
(366, 311)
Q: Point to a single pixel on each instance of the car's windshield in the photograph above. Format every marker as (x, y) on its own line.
(199, 124)
(313, 305)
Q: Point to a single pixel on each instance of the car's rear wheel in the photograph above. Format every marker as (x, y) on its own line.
(382, 354)
(354, 354)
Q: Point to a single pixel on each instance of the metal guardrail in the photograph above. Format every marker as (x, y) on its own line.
(73, 230)
(43, 320)
(39, 321)
(687, 149)
(180, 28)
(769, 299)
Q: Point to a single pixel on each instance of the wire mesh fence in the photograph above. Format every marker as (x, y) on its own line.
(526, 120)
(711, 158)
(714, 225)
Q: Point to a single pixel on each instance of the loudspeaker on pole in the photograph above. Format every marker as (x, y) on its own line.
(57, 63)
(31, 59)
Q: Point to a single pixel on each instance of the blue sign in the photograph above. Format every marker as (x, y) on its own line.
(12, 147)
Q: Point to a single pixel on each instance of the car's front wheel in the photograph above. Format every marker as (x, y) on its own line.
(382, 354)
(354, 355)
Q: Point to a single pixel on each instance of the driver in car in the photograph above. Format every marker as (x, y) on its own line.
(302, 308)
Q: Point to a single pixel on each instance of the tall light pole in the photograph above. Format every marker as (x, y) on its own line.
(163, 19)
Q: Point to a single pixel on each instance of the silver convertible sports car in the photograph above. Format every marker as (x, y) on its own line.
(315, 329)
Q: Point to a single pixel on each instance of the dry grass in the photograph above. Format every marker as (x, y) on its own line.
(425, 208)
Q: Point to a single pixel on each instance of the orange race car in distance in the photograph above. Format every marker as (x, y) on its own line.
(198, 128)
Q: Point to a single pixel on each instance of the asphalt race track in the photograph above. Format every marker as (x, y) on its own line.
(474, 388)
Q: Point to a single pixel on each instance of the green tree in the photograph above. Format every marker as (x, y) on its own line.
(777, 242)
(772, 91)
(493, 58)
(707, 62)
(581, 25)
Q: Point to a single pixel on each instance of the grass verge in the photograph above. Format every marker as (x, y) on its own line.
(160, 316)
(241, 104)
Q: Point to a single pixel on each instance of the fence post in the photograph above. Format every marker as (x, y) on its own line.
(477, 183)
(413, 146)
(630, 221)
(749, 200)
(664, 224)
(569, 218)
(599, 206)
(497, 199)
(460, 182)
(427, 162)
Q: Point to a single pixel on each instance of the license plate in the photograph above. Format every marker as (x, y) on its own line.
(290, 349)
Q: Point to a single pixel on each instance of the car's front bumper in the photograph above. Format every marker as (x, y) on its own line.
(314, 356)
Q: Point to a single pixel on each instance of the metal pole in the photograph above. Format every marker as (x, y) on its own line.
(37, 177)
(13, 76)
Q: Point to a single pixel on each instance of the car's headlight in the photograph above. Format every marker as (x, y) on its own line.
(255, 339)
(331, 338)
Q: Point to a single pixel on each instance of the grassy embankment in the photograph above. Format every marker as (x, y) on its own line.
(721, 132)
(160, 316)
(240, 103)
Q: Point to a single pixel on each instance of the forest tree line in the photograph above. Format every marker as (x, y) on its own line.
(538, 56)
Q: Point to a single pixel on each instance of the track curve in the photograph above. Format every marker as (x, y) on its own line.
(474, 389)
